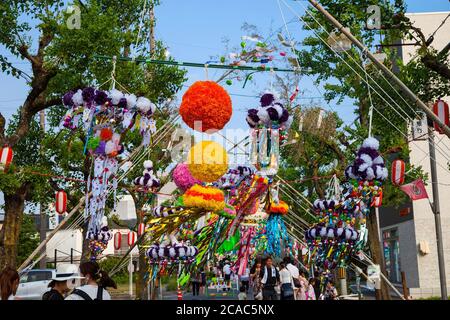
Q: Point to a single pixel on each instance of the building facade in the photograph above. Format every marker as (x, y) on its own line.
(408, 233)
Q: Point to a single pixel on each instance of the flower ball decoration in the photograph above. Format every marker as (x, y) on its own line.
(270, 114)
(148, 179)
(208, 103)
(279, 208)
(98, 241)
(234, 176)
(183, 178)
(207, 161)
(176, 252)
(335, 237)
(205, 198)
(367, 173)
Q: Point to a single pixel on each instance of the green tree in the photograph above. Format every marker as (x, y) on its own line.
(28, 238)
(343, 76)
(63, 59)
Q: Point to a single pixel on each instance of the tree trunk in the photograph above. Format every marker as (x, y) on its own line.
(377, 254)
(9, 235)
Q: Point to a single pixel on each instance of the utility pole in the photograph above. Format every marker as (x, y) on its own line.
(391, 76)
(436, 211)
(42, 215)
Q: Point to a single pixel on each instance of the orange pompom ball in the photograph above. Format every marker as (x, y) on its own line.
(106, 134)
(207, 102)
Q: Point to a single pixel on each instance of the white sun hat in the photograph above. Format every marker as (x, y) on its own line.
(66, 272)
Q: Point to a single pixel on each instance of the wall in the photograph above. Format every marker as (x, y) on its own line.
(424, 227)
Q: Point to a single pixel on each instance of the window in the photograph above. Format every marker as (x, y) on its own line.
(392, 254)
(33, 276)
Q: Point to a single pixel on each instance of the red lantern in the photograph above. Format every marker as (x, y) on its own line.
(440, 109)
(6, 156)
(377, 200)
(61, 202)
(141, 229)
(398, 172)
(131, 238)
(117, 240)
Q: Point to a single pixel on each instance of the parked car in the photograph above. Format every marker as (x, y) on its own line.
(366, 291)
(34, 283)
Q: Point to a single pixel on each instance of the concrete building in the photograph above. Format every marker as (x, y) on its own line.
(408, 232)
(69, 242)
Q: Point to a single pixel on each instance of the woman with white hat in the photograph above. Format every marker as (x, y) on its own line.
(64, 280)
(95, 283)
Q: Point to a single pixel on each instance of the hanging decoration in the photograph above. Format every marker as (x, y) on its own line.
(148, 180)
(6, 156)
(208, 104)
(398, 172)
(98, 241)
(207, 161)
(106, 116)
(61, 202)
(333, 239)
(131, 238)
(117, 240)
(182, 177)
(276, 232)
(441, 110)
(367, 173)
(206, 198)
(269, 124)
(171, 251)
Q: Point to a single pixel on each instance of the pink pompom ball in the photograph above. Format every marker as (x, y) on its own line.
(183, 178)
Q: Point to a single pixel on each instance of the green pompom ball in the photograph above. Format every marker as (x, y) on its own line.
(93, 143)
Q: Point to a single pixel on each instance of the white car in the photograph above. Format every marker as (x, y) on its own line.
(34, 283)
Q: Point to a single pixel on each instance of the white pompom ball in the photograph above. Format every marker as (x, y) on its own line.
(115, 96)
(371, 143)
(172, 252)
(263, 115)
(323, 232)
(77, 98)
(143, 104)
(131, 100)
(148, 164)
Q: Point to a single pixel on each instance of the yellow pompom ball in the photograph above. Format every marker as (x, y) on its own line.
(207, 161)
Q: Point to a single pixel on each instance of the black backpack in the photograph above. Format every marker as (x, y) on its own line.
(85, 296)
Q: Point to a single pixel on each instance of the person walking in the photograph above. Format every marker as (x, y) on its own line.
(9, 282)
(94, 285)
(270, 277)
(303, 286)
(245, 279)
(65, 279)
(317, 285)
(242, 294)
(330, 291)
(287, 283)
(227, 274)
(295, 276)
(255, 278)
(310, 293)
(196, 281)
(203, 281)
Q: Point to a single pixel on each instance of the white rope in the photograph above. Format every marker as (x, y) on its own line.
(376, 83)
(345, 62)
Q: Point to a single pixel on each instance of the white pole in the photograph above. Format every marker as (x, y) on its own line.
(131, 275)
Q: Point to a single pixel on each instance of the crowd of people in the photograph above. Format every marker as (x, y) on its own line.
(286, 282)
(88, 282)
(265, 281)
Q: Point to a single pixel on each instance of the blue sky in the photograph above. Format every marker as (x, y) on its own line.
(193, 31)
